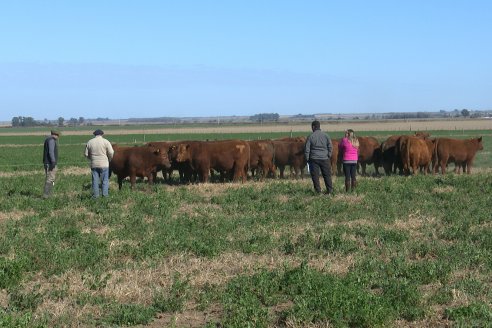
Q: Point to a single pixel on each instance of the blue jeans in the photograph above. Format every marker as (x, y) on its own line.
(100, 174)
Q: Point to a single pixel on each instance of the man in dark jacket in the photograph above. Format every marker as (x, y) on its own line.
(318, 150)
(50, 160)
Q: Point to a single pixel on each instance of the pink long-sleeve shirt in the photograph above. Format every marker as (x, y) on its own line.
(350, 153)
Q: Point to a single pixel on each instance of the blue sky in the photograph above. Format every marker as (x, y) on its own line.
(123, 59)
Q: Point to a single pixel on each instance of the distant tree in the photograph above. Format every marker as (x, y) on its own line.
(81, 120)
(16, 121)
(29, 121)
(465, 112)
(73, 121)
(265, 117)
(61, 121)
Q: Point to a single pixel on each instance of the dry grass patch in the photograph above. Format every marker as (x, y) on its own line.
(349, 198)
(189, 317)
(441, 190)
(136, 284)
(15, 215)
(75, 170)
(20, 173)
(196, 209)
(335, 264)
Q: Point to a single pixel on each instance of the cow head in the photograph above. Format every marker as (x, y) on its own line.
(480, 145)
(163, 159)
(183, 153)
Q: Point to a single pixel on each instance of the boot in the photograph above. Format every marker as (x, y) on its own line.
(347, 186)
(354, 184)
(48, 187)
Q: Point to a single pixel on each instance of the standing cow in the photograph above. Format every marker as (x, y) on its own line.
(289, 153)
(369, 153)
(416, 154)
(230, 156)
(261, 157)
(461, 152)
(391, 158)
(136, 162)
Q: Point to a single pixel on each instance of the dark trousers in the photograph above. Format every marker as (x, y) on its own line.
(323, 165)
(349, 170)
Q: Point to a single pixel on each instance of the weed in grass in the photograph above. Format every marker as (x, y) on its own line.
(11, 271)
(17, 320)
(175, 299)
(473, 315)
(207, 295)
(21, 301)
(128, 314)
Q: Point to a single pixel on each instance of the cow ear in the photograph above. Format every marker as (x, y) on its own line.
(480, 139)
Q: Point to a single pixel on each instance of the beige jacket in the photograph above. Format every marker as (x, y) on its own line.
(99, 151)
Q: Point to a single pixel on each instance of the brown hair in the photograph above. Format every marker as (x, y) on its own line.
(353, 138)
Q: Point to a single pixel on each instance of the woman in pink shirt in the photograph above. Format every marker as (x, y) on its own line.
(349, 147)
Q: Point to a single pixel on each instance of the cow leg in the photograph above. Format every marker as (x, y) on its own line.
(282, 169)
(443, 166)
(133, 180)
(120, 183)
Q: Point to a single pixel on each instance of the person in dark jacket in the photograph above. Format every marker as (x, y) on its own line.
(317, 151)
(50, 161)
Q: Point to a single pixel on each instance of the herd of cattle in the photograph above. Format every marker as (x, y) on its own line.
(233, 159)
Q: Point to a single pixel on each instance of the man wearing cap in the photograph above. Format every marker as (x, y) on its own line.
(100, 152)
(50, 160)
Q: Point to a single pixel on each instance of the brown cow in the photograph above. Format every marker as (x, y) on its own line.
(289, 153)
(391, 158)
(294, 139)
(336, 162)
(422, 134)
(369, 153)
(261, 157)
(164, 146)
(416, 153)
(231, 156)
(136, 162)
(461, 152)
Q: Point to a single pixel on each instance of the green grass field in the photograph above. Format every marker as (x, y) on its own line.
(401, 251)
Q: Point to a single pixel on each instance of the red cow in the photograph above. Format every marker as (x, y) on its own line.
(261, 157)
(289, 153)
(136, 162)
(231, 156)
(417, 153)
(369, 153)
(461, 152)
(391, 158)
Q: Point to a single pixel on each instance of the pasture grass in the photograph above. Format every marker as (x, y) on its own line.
(400, 250)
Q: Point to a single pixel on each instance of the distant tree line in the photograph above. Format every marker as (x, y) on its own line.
(27, 121)
(265, 117)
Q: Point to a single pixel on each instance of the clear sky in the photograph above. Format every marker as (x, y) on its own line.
(123, 59)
